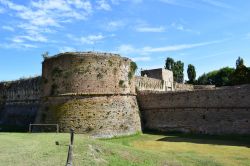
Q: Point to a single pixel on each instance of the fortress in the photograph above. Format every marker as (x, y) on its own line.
(99, 94)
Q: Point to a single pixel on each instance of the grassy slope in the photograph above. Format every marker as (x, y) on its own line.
(39, 149)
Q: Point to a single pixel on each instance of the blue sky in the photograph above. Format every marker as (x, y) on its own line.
(209, 34)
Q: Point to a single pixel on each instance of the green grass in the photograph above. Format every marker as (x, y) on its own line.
(24, 149)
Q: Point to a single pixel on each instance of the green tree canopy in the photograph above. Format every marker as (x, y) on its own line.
(239, 62)
(177, 68)
(242, 74)
(169, 63)
(191, 73)
(221, 77)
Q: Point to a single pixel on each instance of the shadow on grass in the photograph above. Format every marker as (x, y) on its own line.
(228, 140)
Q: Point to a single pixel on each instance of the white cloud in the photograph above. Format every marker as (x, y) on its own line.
(117, 2)
(217, 3)
(178, 3)
(17, 40)
(67, 49)
(31, 37)
(150, 29)
(114, 25)
(40, 17)
(8, 28)
(142, 58)
(2, 10)
(90, 39)
(197, 4)
(181, 27)
(177, 47)
(103, 5)
(17, 45)
(127, 49)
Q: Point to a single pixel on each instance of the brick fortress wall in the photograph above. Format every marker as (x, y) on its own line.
(19, 103)
(220, 111)
(91, 92)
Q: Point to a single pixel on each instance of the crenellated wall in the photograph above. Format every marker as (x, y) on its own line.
(19, 103)
(184, 87)
(146, 83)
(221, 111)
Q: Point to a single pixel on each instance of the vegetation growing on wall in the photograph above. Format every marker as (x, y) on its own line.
(99, 76)
(133, 68)
(57, 72)
(110, 63)
(121, 84)
(53, 90)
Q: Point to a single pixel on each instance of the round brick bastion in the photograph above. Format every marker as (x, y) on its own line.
(90, 92)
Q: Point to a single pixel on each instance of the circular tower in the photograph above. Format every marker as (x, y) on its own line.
(90, 92)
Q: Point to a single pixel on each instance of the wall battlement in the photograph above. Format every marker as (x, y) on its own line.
(146, 83)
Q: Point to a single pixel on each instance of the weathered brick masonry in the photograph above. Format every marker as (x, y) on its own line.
(19, 103)
(221, 111)
(95, 93)
(91, 92)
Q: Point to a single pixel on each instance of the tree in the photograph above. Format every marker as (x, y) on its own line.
(202, 80)
(221, 77)
(191, 73)
(169, 63)
(239, 62)
(178, 71)
(177, 68)
(45, 55)
(241, 74)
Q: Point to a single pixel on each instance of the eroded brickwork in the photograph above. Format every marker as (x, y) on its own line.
(90, 92)
(19, 103)
(221, 111)
(100, 116)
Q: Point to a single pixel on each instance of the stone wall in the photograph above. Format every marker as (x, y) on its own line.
(19, 103)
(146, 83)
(87, 73)
(208, 87)
(183, 87)
(161, 74)
(91, 92)
(99, 116)
(221, 111)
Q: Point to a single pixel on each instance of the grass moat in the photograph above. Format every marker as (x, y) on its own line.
(25, 149)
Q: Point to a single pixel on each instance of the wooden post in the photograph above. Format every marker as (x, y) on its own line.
(70, 151)
(30, 128)
(71, 136)
(70, 156)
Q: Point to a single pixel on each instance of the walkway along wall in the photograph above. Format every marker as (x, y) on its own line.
(221, 111)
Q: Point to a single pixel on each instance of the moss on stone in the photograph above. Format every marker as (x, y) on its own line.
(57, 72)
